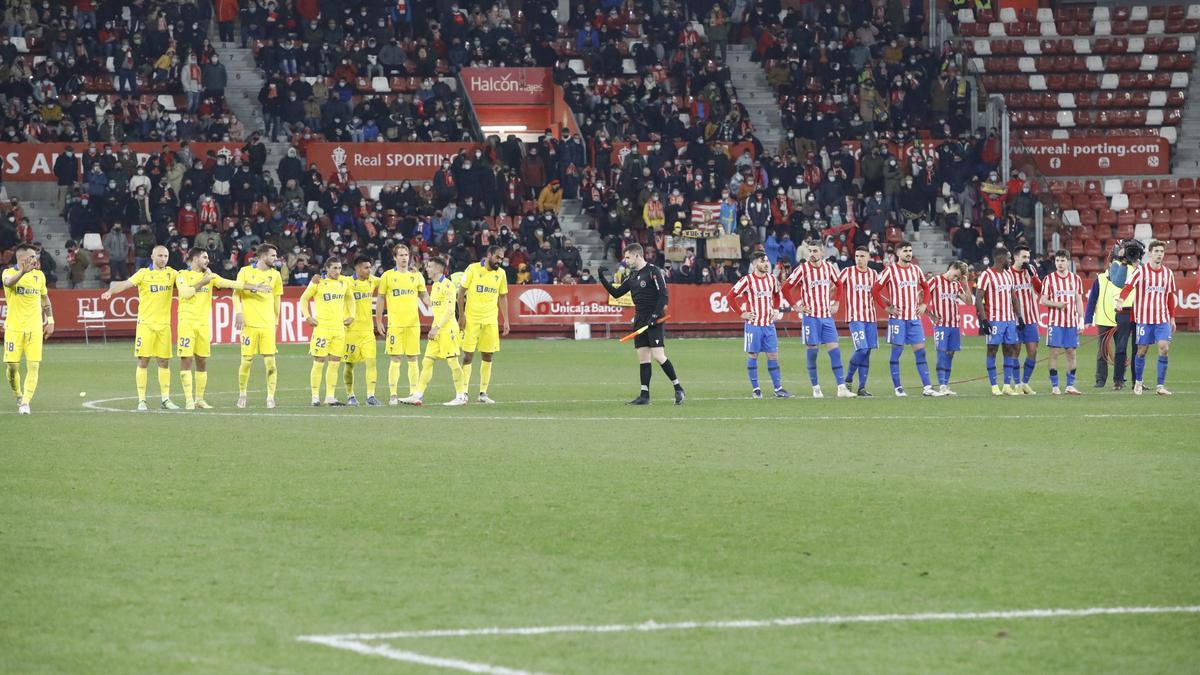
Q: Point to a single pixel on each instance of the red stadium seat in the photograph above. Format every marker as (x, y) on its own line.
(1090, 264)
(1186, 246)
(1187, 263)
(1179, 230)
(1171, 261)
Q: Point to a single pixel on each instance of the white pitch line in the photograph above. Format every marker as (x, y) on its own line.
(653, 626)
(413, 657)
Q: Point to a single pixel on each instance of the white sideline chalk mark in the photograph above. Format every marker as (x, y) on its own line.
(411, 657)
(358, 642)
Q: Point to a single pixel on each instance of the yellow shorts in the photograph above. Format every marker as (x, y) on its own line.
(256, 341)
(444, 346)
(360, 347)
(484, 336)
(327, 343)
(152, 342)
(194, 339)
(18, 344)
(404, 341)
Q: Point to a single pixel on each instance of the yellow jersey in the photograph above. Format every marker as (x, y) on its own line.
(400, 290)
(258, 309)
(483, 291)
(24, 301)
(364, 304)
(333, 300)
(443, 298)
(155, 288)
(195, 306)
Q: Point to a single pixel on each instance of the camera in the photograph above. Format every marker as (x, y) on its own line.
(1129, 252)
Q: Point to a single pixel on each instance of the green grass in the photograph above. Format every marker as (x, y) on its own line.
(208, 541)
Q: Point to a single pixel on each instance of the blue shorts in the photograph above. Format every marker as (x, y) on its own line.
(906, 332)
(865, 334)
(1151, 333)
(1003, 333)
(761, 339)
(819, 331)
(1062, 337)
(946, 339)
(1030, 334)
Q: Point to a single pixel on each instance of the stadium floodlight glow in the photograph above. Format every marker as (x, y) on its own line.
(501, 128)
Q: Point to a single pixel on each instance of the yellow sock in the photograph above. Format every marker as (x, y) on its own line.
(164, 382)
(348, 378)
(414, 375)
(372, 378)
(185, 376)
(140, 377)
(201, 384)
(485, 376)
(272, 375)
(31, 380)
(426, 376)
(314, 378)
(466, 376)
(460, 374)
(244, 374)
(394, 377)
(13, 371)
(331, 377)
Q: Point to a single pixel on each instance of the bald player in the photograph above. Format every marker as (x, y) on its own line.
(155, 285)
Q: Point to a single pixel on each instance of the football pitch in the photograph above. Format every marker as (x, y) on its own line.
(560, 531)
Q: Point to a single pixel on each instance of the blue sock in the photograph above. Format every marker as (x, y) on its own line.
(752, 371)
(853, 367)
(949, 365)
(1054, 377)
(1071, 377)
(897, 350)
(864, 366)
(835, 357)
(773, 369)
(1162, 370)
(1011, 370)
(991, 368)
(1029, 366)
(941, 367)
(1139, 364)
(922, 366)
(812, 364)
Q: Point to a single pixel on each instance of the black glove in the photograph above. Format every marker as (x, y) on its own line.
(985, 327)
(1021, 324)
(601, 271)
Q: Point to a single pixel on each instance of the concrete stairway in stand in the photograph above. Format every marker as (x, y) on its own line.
(39, 202)
(241, 94)
(575, 227)
(753, 91)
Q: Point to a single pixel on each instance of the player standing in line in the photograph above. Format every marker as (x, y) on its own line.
(947, 292)
(30, 319)
(1062, 294)
(649, 290)
(153, 340)
(484, 289)
(857, 283)
(195, 287)
(759, 300)
(1153, 313)
(255, 315)
(334, 300)
(443, 335)
(1027, 287)
(814, 281)
(400, 288)
(905, 301)
(999, 315)
(360, 336)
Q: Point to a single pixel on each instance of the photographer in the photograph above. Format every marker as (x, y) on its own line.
(1115, 329)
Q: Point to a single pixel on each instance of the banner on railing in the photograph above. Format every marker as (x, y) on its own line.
(531, 307)
(35, 161)
(383, 161)
(1101, 156)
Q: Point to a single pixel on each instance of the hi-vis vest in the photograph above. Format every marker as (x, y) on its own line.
(1106, 302)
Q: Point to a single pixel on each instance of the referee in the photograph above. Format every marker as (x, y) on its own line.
(649, 290)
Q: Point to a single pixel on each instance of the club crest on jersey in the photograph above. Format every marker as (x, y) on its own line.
(643, 284)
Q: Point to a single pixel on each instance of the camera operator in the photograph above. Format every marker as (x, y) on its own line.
(1115, 329)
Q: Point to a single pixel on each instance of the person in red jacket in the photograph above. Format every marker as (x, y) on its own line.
(188, 221)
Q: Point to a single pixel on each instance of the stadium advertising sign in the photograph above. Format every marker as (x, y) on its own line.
(383, 161)
(35, 161)
(1102, 156)
(695, 307)
(508, 86)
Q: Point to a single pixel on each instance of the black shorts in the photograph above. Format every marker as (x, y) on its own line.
(652, 337)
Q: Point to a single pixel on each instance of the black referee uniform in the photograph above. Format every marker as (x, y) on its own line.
(648, 287)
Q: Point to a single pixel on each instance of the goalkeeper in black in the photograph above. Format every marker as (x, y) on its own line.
(648, 287)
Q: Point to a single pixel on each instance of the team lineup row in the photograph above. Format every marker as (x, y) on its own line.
(470, 315)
